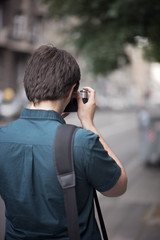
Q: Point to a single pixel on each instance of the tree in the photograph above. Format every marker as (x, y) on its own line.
(105, 26)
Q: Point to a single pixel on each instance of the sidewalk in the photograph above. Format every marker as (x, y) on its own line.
(136, 215)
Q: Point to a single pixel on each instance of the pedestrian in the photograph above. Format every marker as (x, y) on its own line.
(28, 183)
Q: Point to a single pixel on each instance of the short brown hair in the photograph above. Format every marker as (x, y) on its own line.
(50, 73)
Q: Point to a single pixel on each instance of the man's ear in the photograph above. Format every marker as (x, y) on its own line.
(69, 95)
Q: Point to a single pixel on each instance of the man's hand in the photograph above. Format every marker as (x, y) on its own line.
(86, 111)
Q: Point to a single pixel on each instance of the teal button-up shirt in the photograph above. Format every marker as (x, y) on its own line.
(28, 183)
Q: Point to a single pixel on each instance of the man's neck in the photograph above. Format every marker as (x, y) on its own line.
(57, 105)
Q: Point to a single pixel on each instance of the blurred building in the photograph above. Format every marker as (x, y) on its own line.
(24, 26)
(21, 27)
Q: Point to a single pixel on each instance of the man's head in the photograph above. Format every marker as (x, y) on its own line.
(50, 74)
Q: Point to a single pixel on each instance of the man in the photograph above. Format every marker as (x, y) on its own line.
(28, 183)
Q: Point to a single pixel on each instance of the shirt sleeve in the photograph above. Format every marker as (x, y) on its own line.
(101, 171)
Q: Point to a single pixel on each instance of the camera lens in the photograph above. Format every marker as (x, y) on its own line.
(84, 95)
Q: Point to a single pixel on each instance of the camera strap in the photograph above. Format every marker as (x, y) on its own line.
(64, 164)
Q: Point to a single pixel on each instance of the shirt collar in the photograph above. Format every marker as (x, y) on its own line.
(42, 114)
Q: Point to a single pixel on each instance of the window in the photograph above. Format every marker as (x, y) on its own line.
(20, 26)
(37, 30)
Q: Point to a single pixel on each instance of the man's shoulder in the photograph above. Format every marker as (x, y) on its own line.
(4, 129)
(8, 129)
(9, 125)
(85, 138)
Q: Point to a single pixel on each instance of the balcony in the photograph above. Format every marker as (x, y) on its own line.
(8, 40)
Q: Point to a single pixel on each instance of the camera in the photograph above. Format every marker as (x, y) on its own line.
(84, 95)
(73, 105)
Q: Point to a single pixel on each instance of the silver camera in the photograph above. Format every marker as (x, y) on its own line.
(73, 105)
(84, 94)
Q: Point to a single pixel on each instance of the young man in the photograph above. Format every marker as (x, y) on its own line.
(28, 183)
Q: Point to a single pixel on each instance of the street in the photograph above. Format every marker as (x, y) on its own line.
(136, 214)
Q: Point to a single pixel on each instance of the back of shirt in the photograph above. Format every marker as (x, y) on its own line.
(28, 182)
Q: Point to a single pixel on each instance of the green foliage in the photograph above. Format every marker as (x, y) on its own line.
(105, 26)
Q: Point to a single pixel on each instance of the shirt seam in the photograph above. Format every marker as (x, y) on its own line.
(33, 144)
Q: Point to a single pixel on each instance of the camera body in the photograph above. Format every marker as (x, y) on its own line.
(73, 105)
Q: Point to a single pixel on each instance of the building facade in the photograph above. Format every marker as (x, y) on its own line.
(21, 28)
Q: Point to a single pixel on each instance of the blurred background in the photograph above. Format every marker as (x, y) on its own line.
(117, 45)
